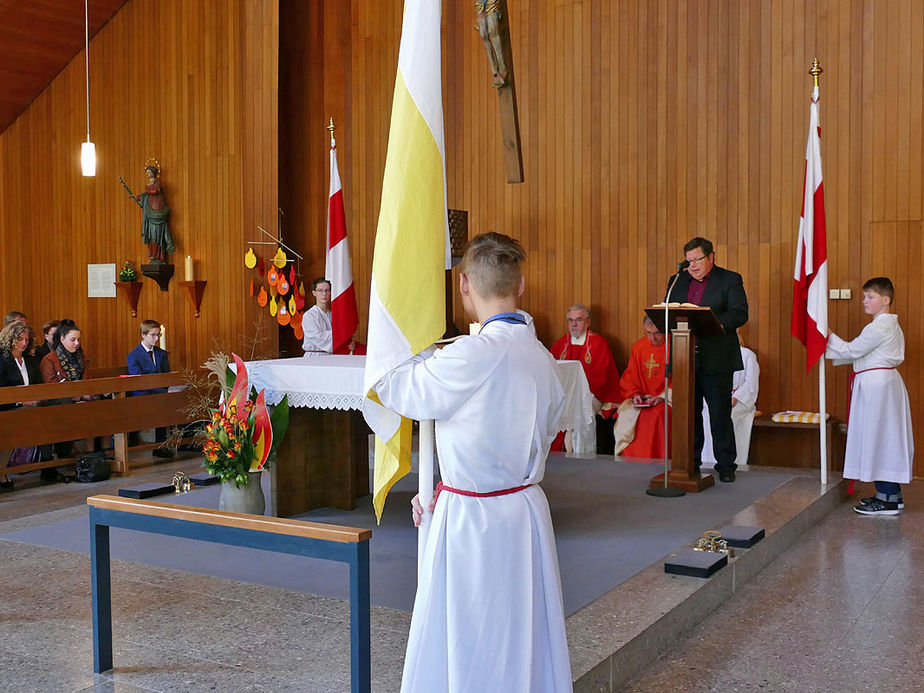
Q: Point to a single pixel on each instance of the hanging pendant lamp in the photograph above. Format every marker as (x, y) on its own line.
(87, 149)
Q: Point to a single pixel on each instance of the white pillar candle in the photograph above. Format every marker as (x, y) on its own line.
(163, 338)
(190, 274)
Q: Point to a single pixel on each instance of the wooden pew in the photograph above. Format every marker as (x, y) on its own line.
(28, 426)
(332, 542)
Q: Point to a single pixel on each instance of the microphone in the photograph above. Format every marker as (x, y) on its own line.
(682, 266)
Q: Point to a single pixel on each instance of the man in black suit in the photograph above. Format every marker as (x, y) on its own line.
(718, 357)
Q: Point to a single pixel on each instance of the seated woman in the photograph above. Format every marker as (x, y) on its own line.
(63, 363)
(17, 367)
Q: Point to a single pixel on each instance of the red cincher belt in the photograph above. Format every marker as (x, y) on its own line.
(440, 487)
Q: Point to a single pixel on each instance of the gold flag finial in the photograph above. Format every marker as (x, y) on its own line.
(816, 70)
(331, 128)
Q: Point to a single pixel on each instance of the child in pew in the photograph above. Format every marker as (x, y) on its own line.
(880, 444)
(488, 614)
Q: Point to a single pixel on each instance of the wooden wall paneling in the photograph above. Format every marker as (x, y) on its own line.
(644, 124)
(154, 92)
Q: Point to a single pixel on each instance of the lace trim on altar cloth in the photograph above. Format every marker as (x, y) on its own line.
(315, 400)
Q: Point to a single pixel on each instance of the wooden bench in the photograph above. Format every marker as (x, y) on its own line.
(795, 444)
(28, 426)
(331, 542)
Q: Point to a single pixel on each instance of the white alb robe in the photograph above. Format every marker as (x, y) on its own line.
(745, 385)
(880, 442)
(488, 615)
(319, 333)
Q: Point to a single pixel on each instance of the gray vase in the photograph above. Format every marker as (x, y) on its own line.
(246, 499)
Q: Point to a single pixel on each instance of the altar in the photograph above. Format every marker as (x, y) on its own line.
(324, 459)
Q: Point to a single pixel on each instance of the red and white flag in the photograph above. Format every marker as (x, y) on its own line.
(344, 315)
(810, 285)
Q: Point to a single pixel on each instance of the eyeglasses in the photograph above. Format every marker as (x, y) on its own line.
(698, 260)
(155, 335)
(322, 291)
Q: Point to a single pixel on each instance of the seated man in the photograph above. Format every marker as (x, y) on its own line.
(317, 325)
(147, 358)
(744, 407)
(639, 429)
(592, 350)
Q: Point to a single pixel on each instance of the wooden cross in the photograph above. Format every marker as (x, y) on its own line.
(651, 364)
(492, 25)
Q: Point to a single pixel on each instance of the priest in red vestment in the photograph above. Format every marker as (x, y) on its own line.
(639, 429)
(582, 344)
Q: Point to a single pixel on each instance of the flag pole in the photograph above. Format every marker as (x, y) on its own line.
(815, 71)
(424, 488)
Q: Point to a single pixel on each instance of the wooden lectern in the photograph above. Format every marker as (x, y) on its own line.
(686, 324)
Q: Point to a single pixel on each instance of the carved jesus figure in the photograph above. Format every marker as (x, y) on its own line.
(487, 18)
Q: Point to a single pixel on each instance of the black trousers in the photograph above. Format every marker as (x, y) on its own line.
(716, 389)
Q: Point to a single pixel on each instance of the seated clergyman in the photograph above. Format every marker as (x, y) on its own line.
(639, 429)
(582, 344)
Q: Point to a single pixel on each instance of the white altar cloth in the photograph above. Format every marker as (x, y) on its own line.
(322, 381)
(326, 381)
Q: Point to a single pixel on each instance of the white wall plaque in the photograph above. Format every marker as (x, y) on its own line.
(101, 281)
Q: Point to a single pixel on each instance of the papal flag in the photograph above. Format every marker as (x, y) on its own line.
(810, 280)
(407, 293)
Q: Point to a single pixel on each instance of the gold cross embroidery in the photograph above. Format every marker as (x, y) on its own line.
(651, 364)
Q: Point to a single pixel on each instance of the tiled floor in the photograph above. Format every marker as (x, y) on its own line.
(842, 611)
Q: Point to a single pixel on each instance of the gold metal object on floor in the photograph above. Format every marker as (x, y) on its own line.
(182, 483)
(713, 541)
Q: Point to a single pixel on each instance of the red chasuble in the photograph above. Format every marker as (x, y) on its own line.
(599, 366)
(645, 376)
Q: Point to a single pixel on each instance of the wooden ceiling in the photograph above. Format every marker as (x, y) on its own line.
(38, 38)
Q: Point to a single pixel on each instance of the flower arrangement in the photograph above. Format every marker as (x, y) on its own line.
(128, 273)
(242, 433)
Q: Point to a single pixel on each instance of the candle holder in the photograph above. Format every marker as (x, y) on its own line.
(130, 292)
(194, 290)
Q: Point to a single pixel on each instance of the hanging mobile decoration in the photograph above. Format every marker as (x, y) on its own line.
(292, 275)
(280, 259)
(261, 266)
(250, 260)
(262, 297)
(273, 306)
(273, 291)
(272, 276)
(251, 287)
(282, 285)
(292, 307)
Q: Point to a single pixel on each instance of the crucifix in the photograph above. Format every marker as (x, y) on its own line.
(491, 23)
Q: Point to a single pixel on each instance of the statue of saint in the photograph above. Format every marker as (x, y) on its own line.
(154, 214)
(487, 17)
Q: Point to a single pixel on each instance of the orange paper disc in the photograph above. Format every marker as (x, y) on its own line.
(282, 286)
(297, 330)
(262, 297)
(283, 316)
(272, 276)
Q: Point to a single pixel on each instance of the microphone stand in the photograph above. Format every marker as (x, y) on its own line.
(668, 491)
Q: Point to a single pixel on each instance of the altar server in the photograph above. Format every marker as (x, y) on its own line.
(745, 384)
(880, 444)
(488, 614)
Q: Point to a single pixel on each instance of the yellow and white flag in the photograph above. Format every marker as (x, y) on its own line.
(407, 294)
